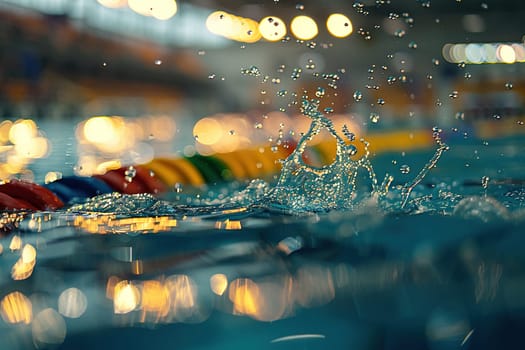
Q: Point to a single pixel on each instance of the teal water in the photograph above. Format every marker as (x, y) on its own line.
(322, 258)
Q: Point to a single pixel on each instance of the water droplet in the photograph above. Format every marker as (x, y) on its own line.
(358, 96)
(496, 116)
(404, 169)
(281, 68)
(212, 76)
(508, 85)
(130, 174)
(461, 64)
(484, 6)
(380, 101)
(299, 7)
(399, 33)
(252, 71)
(348, 134)
(485, 182)
(320, 92)
(439, 103)
(435, 62)
(311, 45)
(258, 125)
(178, 187)
(467, 75)
(460, 116)
(453, 95)
(158, 62)
(374, 117)
(232, 132)
(352, 150)
(328, 110)
(412, 45)
(296, 73)
(391, 79)
(201, 52)
(282, 92)
(276, 81)
(429, 76)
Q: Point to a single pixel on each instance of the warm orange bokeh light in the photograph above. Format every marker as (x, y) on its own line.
(16, 308)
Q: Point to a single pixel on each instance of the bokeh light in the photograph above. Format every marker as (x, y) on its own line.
(506, 54)
(233, 27)
(218, 283)
(113, 3)
(339, 25)
(16, 308)
(163, 9)
(208, 131)
(483, 53)
(304, 28)
(126, 297)
(272, 28)
(48, 328)
(72, 303)
(220, 23)
(140, 6)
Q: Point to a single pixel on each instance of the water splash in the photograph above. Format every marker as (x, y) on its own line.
(302, 187)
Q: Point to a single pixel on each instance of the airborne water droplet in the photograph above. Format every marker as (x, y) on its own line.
(374, 117)
(508, 86)
(412, 45)
(485, 182)
(380, 101)
(358, 96)
(319, 92)
(296, 73)
(453, 95)
(348, 134)
(399, 33)
(252, 71)
(404, 169)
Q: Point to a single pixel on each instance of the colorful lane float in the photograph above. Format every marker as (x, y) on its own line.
(164, 174)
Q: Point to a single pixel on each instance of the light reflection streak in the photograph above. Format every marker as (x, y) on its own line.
(16, 308)
(110, 224)
(298, 337)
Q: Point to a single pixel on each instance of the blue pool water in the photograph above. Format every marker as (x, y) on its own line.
(228, 267)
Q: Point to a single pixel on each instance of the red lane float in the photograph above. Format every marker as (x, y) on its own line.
(9, 203)
(38, 197)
